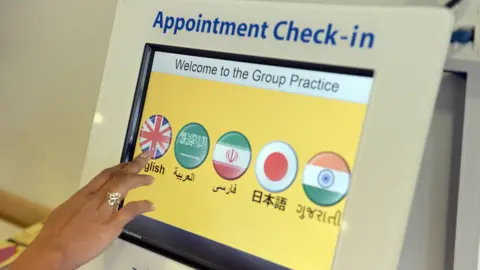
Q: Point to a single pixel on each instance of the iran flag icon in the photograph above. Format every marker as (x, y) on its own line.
(326, 179)
(276, 166)
(232, 155)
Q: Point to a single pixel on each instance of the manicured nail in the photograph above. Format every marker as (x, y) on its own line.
(151, 179)
(145, 154)
(153, 207)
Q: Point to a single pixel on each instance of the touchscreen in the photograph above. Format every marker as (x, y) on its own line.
(252, 157)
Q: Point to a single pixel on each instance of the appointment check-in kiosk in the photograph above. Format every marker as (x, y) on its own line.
(286, 136)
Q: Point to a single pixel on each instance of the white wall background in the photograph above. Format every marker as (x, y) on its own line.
(52, 56)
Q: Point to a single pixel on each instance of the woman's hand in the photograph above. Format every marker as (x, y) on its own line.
(83, 226)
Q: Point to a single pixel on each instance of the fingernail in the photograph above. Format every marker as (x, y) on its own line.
(145, 154)
(151, 179)
(153, 207)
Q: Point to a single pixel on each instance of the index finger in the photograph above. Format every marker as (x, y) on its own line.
(138, 163)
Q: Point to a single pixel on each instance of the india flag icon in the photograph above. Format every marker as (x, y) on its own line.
(232, 155)
(326, 179)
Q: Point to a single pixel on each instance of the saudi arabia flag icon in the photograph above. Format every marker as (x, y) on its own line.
(232, 155)
(326, 179)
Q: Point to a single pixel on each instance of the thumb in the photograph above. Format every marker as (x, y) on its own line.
(130, 211)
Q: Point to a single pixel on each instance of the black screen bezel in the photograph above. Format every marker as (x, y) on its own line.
(170, 244)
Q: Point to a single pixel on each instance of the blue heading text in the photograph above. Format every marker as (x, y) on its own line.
(285, 30)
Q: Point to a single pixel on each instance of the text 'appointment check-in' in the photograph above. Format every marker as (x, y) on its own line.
(285, 30)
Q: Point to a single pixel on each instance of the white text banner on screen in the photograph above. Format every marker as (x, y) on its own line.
(344, 87)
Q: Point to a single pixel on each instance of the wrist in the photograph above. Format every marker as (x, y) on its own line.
(39, 257)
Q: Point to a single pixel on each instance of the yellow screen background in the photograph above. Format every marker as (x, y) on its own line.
(309, 124)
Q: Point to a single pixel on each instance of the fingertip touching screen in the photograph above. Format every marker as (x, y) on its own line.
(252, 157)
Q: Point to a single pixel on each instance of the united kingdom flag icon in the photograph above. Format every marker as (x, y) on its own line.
(156, 135)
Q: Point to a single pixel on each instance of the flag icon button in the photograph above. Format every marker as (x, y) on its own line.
(232, 155)
(326, 179)
(276, 166)
(191, 146)
(156, 136)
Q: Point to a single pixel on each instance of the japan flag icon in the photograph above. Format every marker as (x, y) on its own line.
(276, 166)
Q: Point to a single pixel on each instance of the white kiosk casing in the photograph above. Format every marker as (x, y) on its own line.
(465, 59)
(363, 244)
